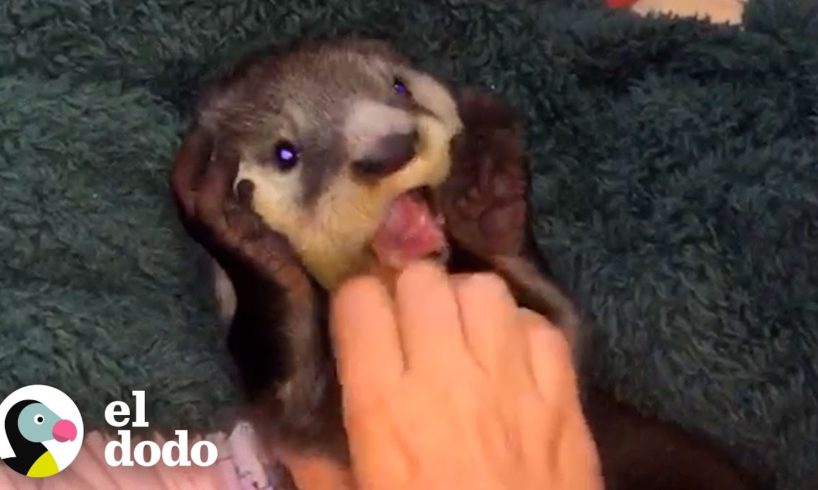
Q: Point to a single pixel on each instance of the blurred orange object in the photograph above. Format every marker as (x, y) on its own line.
(620, 4)
(718, 11)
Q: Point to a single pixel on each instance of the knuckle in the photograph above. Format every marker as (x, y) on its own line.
(551, 339)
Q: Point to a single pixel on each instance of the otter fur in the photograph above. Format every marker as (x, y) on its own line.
(308, 165)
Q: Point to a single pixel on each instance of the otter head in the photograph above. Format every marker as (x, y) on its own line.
(342, 141)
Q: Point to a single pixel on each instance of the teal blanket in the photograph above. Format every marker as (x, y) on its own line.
(676, 192)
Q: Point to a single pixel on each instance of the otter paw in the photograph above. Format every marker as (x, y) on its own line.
(255, 252)
(221, 219)
(484, 201)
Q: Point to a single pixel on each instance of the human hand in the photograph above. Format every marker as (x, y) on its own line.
(451, 385)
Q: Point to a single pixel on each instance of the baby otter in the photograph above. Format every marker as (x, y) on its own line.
(306, 166)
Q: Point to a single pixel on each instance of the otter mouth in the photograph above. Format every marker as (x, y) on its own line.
(412, 229)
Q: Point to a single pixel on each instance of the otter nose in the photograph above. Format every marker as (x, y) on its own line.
(387, 155)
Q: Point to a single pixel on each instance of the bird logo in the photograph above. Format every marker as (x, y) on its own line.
(41, 431)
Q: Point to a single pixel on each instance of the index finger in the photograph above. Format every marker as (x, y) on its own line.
(365, 336)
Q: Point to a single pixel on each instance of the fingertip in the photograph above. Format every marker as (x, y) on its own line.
(364, 335)
(481, 286)
(354, 296)
(490, 324)
(430, 324)
(420, 274)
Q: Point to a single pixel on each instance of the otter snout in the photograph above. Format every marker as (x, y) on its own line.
(387, 155)
(380, 138)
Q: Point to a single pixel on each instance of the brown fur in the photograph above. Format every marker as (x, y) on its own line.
(278, 335)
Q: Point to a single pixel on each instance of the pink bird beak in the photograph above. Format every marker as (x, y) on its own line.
(64, 430)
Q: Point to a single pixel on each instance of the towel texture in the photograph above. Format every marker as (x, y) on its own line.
(676, 192)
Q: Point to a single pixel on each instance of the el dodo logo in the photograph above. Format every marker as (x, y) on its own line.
(41, 431)
(149, 453)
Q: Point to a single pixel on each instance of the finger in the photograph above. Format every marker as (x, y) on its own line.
(365, 337)
(579, 465)
(550, 360)
(428, 318)
(316, 472)
(489, 316)
(192, 156)
(216, 190)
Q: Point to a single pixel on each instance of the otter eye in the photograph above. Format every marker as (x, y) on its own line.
(286, 155)
(39, 419)
(400, 87)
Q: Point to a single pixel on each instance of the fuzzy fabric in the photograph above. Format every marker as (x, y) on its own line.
(676, 192)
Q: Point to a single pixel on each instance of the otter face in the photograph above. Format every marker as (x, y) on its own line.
(339, 140)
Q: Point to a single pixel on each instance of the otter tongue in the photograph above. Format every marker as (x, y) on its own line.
(408, 232)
